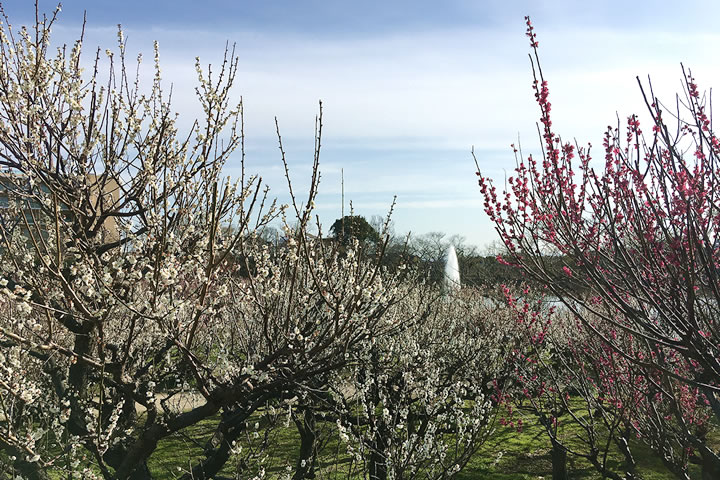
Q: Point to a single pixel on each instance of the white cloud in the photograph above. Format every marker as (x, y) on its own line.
(430, 94)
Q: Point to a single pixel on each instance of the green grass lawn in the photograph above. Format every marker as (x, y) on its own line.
(512, 455)
(507, 455)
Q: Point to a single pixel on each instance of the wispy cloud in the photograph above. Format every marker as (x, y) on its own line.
(409, 87)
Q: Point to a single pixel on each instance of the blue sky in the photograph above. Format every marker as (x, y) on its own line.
(408, 87)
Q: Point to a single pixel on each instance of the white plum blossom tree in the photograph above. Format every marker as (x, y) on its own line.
(421, 402)
(138, 296)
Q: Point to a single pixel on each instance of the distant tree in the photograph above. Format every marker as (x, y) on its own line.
(382, 224)
(430, 249)
(354, 226)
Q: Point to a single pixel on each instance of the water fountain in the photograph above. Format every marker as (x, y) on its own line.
(452, 269)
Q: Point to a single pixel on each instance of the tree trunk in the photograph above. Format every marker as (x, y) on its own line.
(142, 472)
(77, 381)
(710, 467)
(30, 470)
(114, 457)
(378, 466)
(218, 448)
(624, 447)
(305, 466)
(559, 461)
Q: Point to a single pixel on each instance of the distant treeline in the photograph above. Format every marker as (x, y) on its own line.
(426, 252)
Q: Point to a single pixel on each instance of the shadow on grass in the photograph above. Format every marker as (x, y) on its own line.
(508, 454)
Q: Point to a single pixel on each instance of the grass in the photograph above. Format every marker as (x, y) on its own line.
(507, 455)
(525, 455)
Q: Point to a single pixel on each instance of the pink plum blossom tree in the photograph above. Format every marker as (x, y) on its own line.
(638, 235)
